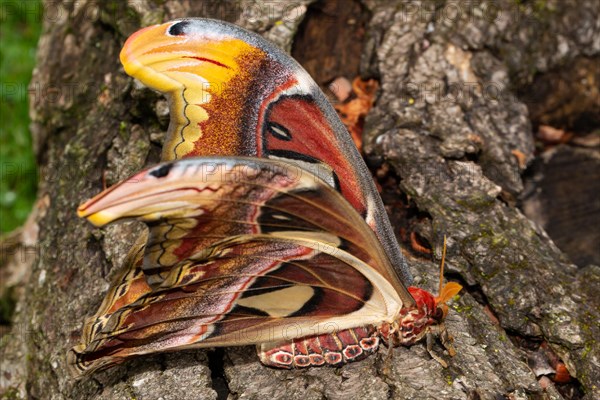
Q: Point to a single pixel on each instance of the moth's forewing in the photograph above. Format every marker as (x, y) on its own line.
(233, 93)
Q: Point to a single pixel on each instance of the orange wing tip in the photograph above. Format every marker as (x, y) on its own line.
(449, 290)
(81, 211)
(98, 219)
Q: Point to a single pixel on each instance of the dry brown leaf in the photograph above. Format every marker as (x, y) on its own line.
(550, 134)
(353, 112)
(521, 158)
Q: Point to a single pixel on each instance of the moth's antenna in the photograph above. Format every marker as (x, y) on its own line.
(442, 268)
(448, 290)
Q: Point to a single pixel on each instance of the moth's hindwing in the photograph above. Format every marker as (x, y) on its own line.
(250, 289)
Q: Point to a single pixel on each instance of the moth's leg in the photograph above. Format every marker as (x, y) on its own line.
(331, 349)
(430, 337)
(446, 339)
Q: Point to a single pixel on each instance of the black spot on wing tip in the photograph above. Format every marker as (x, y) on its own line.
(178, 28)
(161, 171)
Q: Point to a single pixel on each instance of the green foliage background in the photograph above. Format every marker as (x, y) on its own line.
(20, 26)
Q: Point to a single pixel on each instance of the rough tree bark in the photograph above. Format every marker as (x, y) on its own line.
(454, 137)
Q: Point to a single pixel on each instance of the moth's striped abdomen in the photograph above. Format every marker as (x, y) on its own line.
(332, 350)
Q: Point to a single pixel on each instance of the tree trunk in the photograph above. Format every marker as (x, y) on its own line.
(449, 136)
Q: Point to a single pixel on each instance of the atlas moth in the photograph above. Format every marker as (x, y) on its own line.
(264, 225)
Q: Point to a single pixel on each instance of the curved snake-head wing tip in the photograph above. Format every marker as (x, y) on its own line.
(79, 368)
(76, 366)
